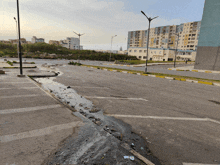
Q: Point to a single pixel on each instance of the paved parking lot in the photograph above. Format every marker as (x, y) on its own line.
(32, 123)
(179, 120)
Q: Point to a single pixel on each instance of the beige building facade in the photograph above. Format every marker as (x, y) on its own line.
(164, 41)
(34, 39)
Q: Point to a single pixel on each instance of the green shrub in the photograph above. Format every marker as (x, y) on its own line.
(10, 63)
(74, 63)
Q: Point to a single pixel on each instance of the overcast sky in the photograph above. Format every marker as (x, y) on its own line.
(98, 19)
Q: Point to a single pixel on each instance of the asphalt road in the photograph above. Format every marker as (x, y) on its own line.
(154, 68)
(179, 120)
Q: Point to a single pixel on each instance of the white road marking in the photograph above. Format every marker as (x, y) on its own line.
(19, 88)
(15, 96)
(214, 121)
(39, 132)
(87, 87)
(160, 117)
(18, 110)
(198, 164)
(14, 82)
(116, 98)
(165, 118)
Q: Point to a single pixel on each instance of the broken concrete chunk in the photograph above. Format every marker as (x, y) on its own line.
(90, 116)
(94, 110)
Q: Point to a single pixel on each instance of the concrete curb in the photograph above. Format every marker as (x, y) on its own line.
(141, 65)
(169, 78)
(195, 70)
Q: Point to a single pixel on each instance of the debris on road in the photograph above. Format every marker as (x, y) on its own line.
(104, 137)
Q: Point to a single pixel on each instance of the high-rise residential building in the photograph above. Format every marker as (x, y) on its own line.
(36, 40)
(208, 52)
(164, 40)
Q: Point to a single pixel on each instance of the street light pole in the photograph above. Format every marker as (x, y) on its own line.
(79, 42)
(111, 47)
(149, 19)
(176, 51)
(19, 37)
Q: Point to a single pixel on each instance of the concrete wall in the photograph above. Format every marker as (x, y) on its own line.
(208, 58)
(208, 51)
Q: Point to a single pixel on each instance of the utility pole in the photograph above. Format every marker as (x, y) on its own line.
(111, 47)
(176, 51)
(19, 38)
(149, 19)
(78, 34)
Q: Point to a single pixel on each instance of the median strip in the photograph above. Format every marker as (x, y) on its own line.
(161, 75)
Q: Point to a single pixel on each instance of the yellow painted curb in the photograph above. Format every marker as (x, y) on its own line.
(161, 76)
(169, 69)
(178, 70)
(207, 83)
(208, 72)
(110, 70)
(194, 70)
(144, 74)
(180, 79)
(128, 65)
(132, 72)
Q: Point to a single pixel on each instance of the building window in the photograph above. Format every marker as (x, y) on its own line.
(144, 57)
(140, 51)
(145, 51)
(129, 50)
(139, 56)
(135, 50)
(160, 52)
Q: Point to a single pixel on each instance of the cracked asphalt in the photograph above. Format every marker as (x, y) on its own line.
(166, 121)
(179, 120)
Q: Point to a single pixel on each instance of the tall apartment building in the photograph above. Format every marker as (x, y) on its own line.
(71, 43)
(164, 40)
(36, 40)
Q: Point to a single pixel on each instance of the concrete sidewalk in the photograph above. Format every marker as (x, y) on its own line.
(32, 122)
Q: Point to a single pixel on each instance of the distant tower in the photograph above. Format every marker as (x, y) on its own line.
(121, 48)
(208, 50)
